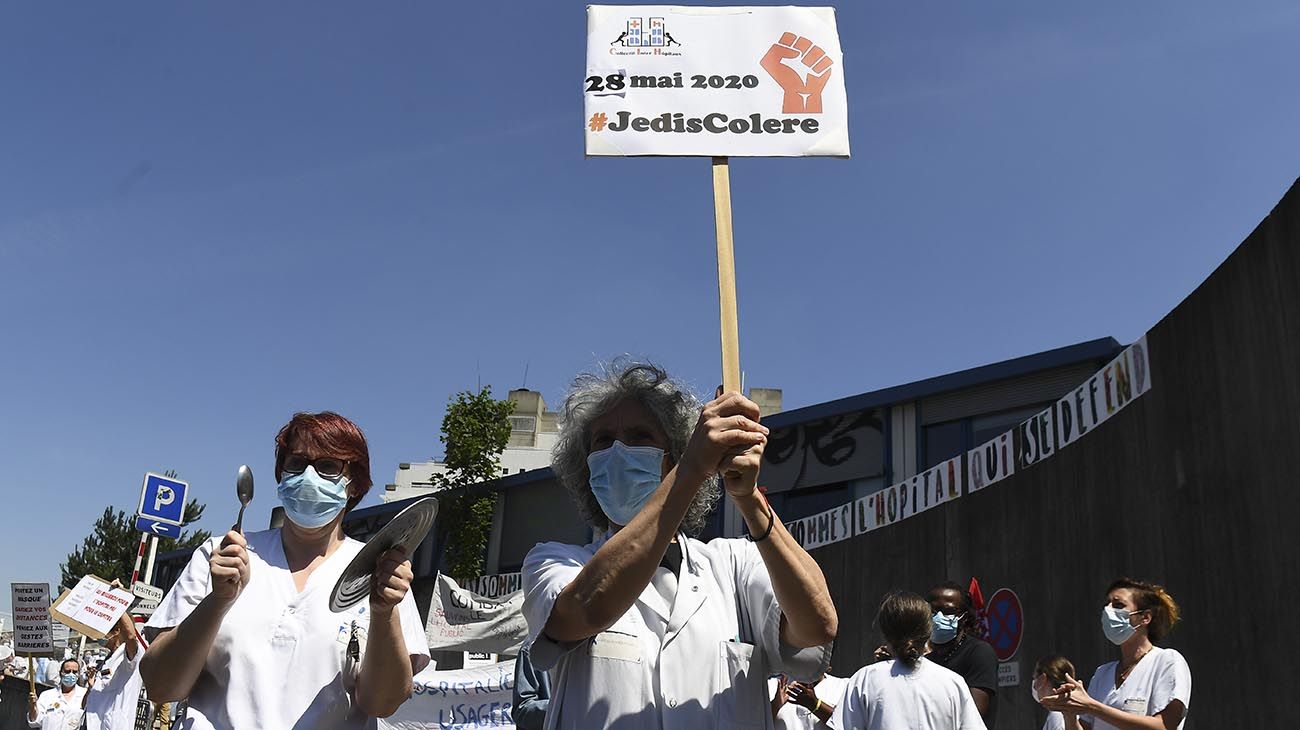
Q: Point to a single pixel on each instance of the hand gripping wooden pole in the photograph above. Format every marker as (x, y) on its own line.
(726, 276)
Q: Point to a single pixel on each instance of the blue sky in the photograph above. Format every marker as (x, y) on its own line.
(213, 216)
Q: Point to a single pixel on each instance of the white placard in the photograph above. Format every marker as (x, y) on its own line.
(730, 81)
(1009, 674)
(92, 606)
(33, 633)
(462, 620)
(461, 698)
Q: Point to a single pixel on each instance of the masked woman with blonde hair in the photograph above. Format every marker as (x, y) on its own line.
(1148, 687)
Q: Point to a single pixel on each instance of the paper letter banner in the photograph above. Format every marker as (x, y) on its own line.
(730, 81)
(463, 621)
(935, 486)
(1101, 396)
(33, 633)
(990, 462)
(92, 607)
(823, 528)
(460, 698)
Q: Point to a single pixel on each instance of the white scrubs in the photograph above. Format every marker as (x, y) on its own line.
(111, 702)
(56, 712)
(693, 652)
(278, 658)
(889, 695)
(1159, 678)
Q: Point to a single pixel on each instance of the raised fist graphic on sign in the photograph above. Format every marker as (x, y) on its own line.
(802, 95)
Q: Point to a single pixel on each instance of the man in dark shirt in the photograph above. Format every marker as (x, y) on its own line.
(961, 650)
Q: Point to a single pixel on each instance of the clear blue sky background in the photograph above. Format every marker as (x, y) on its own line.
(213, 216)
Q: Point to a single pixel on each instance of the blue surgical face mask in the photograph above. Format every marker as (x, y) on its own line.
(943, 627)
(311, 500)
(623, 478)
(1115, 624)
(68, 679)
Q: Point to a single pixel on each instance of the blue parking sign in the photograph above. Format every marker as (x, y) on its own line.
(163, 499)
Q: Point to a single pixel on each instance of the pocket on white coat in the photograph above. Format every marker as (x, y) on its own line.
(743, 702)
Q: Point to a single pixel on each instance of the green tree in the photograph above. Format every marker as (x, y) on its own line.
(475, 430)
(110, 549)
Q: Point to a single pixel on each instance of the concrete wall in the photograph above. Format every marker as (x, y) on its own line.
(1190, 486)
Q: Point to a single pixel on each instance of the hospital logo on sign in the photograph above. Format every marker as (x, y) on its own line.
(645, 33)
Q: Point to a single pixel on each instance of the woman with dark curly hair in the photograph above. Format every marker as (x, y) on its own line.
(1148, 687)
(647, 627)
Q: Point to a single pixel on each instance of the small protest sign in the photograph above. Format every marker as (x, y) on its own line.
(33, 633)
(92, 606)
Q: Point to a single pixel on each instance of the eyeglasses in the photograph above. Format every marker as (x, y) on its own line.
(327, 466)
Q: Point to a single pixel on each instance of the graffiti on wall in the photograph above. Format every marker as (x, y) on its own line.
(851, 446)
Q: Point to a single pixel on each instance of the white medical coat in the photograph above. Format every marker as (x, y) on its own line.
(1159, 678)
(278, 658)
(56, 712)
(701, 663)
(112, 701)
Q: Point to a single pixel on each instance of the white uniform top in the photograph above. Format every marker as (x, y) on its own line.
(796, 717)
(277, 660)
(111, 702)
(1055, 721)
(55, 712)
(1160, 677)
(890, 696)
(693, 651)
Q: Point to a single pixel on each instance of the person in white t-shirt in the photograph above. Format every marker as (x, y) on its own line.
(908, 692)
(247, 633)
(1050, 672)
(805, 705)
(58, 708)
(1148, 687)
(113, 688)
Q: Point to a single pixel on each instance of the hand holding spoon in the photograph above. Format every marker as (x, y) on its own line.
(244, 490)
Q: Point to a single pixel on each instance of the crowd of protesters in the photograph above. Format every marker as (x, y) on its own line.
(644, 627)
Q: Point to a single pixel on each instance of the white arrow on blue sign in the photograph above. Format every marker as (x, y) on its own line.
(154, 527)
(162, 499)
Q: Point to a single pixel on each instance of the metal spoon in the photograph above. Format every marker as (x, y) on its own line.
(244, 490)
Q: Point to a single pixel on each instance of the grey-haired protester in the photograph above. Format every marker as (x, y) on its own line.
(648, 627)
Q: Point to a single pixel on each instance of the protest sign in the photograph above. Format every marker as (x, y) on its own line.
(717, 82)
(991, 461)
(459, 698)
(730, 81)
(460, 620)
(1104, 394)
(92, 606)
(496, 585)
(33, 633)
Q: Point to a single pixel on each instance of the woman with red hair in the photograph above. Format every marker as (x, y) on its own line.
(247, 633)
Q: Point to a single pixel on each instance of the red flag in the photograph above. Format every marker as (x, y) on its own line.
(981, 614)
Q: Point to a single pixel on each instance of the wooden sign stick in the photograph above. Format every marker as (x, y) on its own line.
(726, 276)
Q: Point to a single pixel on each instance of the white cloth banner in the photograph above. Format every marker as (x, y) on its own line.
(460, 620)
(458, 698)
(730, 81)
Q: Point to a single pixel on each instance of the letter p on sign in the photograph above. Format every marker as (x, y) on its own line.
(165, 496)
